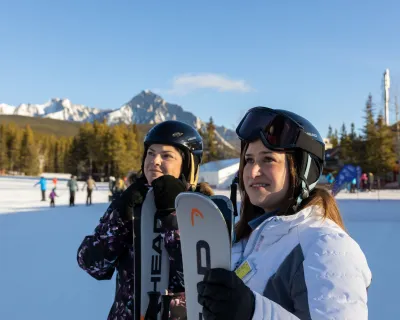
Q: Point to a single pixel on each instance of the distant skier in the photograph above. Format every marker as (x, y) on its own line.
(43, 187)
(119, 186)
(370, 181)
(111, 185)
(91, 184)
(73, 187)
(52, 197)
(353, 185)
(364, 181)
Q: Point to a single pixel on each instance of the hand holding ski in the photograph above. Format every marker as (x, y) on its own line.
(223, 295)
(205, 239)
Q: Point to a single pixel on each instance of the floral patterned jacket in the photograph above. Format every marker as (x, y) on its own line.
(110, 249)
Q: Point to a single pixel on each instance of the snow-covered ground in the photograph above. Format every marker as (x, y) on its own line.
(40, 278)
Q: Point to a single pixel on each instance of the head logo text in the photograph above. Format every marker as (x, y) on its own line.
(196, 212)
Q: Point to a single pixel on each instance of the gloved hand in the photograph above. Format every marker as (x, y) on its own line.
(224, 296)
(132, 196)
(166, 188)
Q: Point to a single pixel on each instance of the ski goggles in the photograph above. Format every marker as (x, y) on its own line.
(277, 131)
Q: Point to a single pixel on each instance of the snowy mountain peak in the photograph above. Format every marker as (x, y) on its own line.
(66, 103)
(146, 97)
(6, 109)
(144, 108)
(55, 108)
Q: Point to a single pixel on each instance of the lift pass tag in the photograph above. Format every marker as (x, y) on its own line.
(243, 269)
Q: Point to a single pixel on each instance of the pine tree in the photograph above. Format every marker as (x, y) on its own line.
(356, 146)
(56, 156)
(211, 143)
(116, 149)
(205, 144)
(51, 154)
(13, 146)
(86, 151)
(28, 153)
(385, 155)
(3, 149)
(352, 134)
(99, 146)
(132, 158)
(345, 145)
(73, 158)
(369, 161)
(62, 150)
(330, 132)
(68, 147)
(41, 141)
(335, 139)
(139, 142)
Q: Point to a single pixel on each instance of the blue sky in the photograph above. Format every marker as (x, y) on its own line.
(318, 58)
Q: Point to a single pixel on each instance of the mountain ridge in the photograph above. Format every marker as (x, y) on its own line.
(144, 108)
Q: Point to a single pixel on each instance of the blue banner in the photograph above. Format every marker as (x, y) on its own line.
(345, 175)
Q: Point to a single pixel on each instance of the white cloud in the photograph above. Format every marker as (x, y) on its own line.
(186, 83)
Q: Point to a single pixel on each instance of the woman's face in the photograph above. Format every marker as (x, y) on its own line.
(162, 160)
(265, 176)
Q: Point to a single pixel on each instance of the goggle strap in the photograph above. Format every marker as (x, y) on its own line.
(305, 167)
(304, 183)
(307, 171)
(312, 185)
(305, 142)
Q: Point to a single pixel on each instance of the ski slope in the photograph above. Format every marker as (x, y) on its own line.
(40, 278)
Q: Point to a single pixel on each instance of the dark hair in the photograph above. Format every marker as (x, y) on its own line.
(132, 176)
(318, 197)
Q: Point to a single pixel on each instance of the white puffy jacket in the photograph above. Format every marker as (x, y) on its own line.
(304, 267)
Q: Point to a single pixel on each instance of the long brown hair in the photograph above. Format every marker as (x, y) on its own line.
(318, 197)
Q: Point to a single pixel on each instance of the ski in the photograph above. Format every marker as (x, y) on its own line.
(205, 226)
(151, 265)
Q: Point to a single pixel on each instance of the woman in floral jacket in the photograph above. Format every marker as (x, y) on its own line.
(173, 152)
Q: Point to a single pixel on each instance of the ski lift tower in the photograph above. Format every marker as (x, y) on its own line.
(386, 84)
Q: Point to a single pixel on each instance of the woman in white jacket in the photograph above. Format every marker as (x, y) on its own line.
(292, 257)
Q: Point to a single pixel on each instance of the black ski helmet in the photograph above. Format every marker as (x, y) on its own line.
(185, 138)
(283, 130)
(311, 173)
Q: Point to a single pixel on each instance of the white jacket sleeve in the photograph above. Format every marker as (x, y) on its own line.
(336, 277)
(266, 309)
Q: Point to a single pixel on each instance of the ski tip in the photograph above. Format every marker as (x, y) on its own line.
(184, 195)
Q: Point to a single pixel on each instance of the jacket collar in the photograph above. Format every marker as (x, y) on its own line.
(274, 228)
(260, 219)
(295, 219)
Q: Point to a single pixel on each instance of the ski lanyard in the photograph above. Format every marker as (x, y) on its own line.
(257, 236)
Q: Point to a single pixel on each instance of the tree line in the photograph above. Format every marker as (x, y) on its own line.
(375, 149)
(97, 149)
(103, 150)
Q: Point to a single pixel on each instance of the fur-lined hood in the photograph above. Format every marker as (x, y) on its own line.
(205, 189)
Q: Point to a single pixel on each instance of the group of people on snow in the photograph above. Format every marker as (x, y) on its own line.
(72, 186)
(302, 263)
